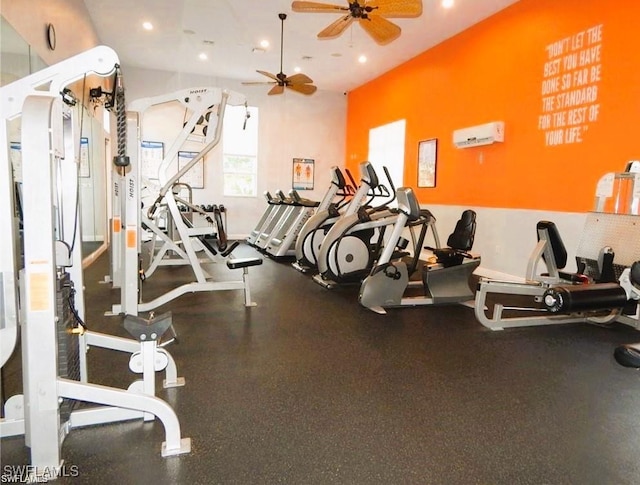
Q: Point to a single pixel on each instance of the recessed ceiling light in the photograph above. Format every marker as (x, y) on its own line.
(447, 3)
(147, 25)
(202, 56)
(362, 59)
(264, 44)
(297, 69)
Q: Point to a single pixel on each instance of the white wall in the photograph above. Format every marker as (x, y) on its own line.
(291, 125)
(74, 30)
(505, 238)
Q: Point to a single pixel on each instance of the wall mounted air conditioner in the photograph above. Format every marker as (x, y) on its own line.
(476, 136)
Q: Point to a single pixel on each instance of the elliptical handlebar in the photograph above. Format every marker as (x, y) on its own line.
(353, 185)
(383, 191)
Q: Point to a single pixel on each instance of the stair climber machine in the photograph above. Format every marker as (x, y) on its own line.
(403, 279)
(283, 206)
(283, 238)
(276, 241)
(179, 248)
(606, 287)
(354, 242)
(316, 228)
(273, 204)
(54, 335)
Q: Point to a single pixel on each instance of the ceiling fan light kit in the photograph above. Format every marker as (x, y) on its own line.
(371, 15)
(299, 83)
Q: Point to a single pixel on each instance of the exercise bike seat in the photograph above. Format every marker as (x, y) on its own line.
(460, 241)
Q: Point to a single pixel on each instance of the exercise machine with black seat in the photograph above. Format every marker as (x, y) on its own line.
(599, 292)
(407, 280)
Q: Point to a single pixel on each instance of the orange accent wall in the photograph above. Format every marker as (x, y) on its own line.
(494, 71)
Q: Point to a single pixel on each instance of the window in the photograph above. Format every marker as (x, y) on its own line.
(386, 149)
(240, 152)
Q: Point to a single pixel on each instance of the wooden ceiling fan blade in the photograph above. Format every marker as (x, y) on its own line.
(396, 8)
(268, 74)
(317, 7)
(303, 88)
(256, 83)
(277, 89)
(336, 28)
(299, 79)
(382, 30)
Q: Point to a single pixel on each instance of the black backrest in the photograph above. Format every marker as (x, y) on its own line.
(557, 246)
(462, 236)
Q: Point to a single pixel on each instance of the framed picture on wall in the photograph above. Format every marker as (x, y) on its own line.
(85, 170)
(303, 173)
(151, 156)
(427, 160)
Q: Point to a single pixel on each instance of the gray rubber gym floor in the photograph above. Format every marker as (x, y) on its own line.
(310, 388)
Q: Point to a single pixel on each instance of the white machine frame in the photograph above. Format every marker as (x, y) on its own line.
(53, 169)
(198, 101)
(281, 241)
(342, 250)
(614, 226)
(312, 234)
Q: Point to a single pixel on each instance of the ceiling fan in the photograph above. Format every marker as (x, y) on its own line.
(369, 13)
(300, 83)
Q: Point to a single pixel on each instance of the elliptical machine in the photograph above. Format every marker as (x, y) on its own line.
(355, 241)
(317, 226)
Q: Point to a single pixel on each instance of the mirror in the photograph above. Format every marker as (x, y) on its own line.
(92, 171)
(17, 61)
(16, 58)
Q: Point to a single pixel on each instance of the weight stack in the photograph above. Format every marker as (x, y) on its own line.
(68, 348)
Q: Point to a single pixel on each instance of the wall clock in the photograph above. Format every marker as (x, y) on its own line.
(51, 37)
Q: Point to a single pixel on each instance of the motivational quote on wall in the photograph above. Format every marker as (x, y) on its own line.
(571, 77)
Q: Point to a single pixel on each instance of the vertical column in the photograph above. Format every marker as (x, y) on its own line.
(40, 369)
(130, 210)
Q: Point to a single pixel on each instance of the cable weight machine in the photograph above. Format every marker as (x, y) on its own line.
(52, 279)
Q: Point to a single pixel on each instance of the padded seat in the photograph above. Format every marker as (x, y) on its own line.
(460, 241)
(243, 262)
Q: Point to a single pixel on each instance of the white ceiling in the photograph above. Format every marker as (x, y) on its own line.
(237, 26)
